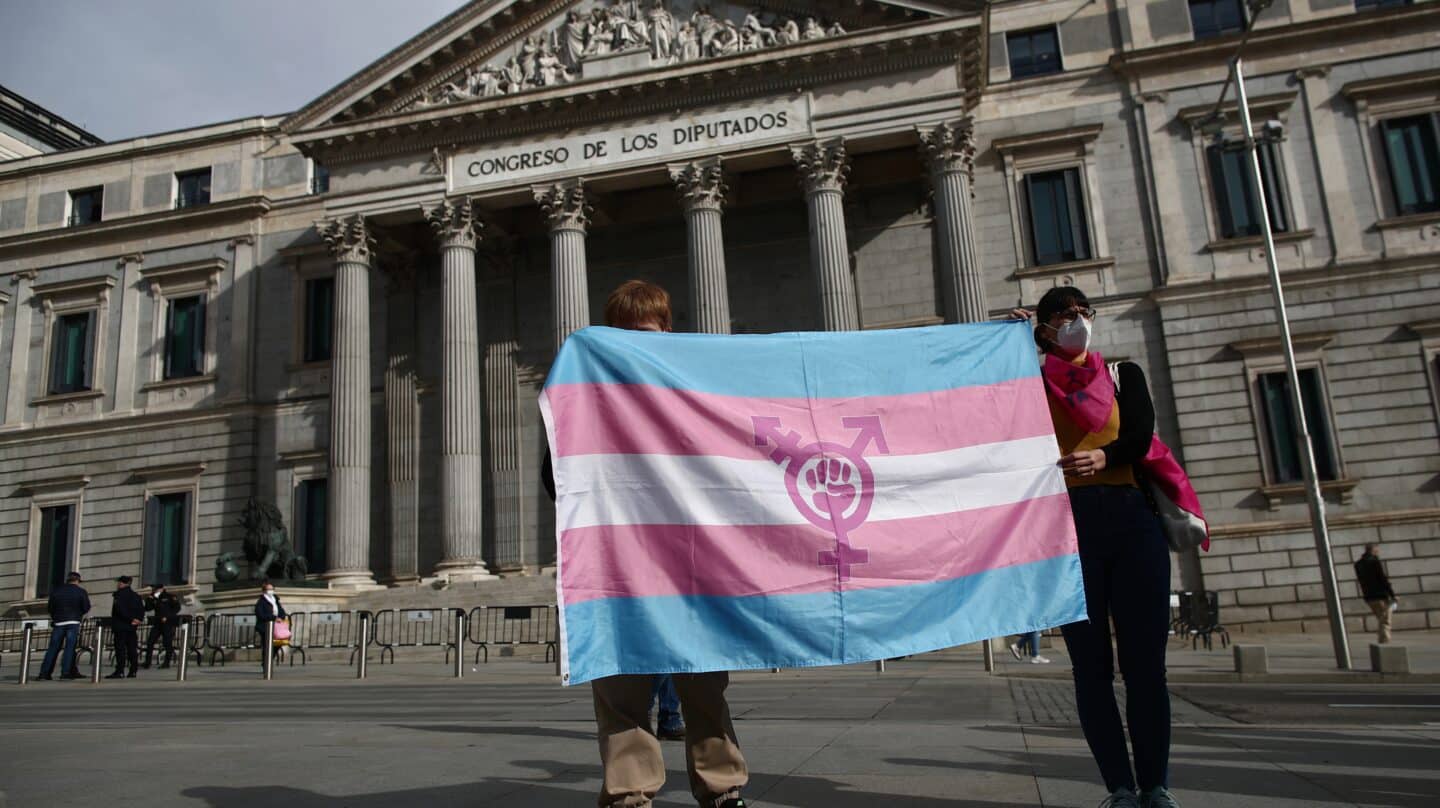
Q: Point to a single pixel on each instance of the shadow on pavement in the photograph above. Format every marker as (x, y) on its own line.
(501, 729)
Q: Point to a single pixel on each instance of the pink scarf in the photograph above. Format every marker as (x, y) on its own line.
(1086, 393)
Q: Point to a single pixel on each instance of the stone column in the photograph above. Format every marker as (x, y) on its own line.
(568, 216)
(402, 420)
(949, 151)
(349, 483)
(702, 191)
(129, 353)
(460, 475)
(22, 304)
(1342, 219)
(823, 166)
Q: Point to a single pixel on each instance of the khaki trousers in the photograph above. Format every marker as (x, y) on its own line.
(1381, 608)
(630, 752)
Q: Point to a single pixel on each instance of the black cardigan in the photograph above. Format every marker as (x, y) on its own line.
(1137, 418)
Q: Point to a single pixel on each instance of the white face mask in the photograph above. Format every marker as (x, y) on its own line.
(1074, 336)
(269, 591)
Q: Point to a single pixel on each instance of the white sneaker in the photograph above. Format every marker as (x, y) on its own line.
(1015, 650)
(1039, 660)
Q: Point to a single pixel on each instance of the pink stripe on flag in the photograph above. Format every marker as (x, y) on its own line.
(644, 419)
(626, 561)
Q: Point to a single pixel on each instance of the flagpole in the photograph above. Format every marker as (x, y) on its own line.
(1313, 495)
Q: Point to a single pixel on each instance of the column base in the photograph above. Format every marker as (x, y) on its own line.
(357, 580)
(463, 570)
(405, 580)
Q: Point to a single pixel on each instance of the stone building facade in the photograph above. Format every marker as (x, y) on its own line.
(349, 311)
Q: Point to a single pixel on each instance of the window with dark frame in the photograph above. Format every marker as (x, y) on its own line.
(1033, 53)
(1414, 162)
(1212, 18)
(319, 318)
(320, 179)
(311, 498)
(53, 561)
(1282, 449)
(185, 337)
(1058, 228)
(1237, 206)
(167, 538)
(86, 206)
(1361, 5)
(192, 188)
(72, 353)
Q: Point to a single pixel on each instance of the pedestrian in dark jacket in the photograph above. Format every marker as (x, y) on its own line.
(127, 612)
(69, 604)
(1375, 588)
(267, 611)
(166, 608)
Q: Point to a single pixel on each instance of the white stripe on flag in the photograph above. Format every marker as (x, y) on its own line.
(648, 489)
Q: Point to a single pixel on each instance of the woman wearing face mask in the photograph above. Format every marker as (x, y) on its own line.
(1103, 432)
(267, 610)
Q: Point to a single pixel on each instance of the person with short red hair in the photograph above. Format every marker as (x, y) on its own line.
(629, 749)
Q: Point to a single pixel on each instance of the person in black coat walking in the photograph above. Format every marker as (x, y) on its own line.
(267, 610)
(69, 604)
(127, 612)
(162, 624)
(1375, 588)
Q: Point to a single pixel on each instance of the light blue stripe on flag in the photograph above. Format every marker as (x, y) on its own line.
(802, 365)
(691, 633)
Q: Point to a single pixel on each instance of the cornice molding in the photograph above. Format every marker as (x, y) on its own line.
(1265, 347)
(79, 287)
(1294, 38)
(129, 227)
(1423, 81)
(1261, 107)
(207, 267)
(1046, 140)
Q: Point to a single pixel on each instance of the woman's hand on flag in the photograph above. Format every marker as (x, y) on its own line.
(1084, 463)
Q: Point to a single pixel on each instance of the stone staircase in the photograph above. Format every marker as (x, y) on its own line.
(510, 590)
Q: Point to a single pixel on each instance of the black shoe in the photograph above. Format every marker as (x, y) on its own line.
(44, 677)
(130, 675)
(145, 665)
(71, 675)
(116, 675)
(733, 802)
(671, 733)
(164, 665)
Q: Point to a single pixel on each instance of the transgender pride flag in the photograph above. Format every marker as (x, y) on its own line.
(789, 500)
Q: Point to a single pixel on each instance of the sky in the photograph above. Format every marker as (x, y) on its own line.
(122, 68)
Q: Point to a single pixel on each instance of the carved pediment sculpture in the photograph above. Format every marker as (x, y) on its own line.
(652, 32)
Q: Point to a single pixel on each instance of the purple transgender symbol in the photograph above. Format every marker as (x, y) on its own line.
(831, 484)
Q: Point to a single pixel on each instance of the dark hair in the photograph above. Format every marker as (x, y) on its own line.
(72, 577)
(1371, 547)
(264, 582)
(1053, 302)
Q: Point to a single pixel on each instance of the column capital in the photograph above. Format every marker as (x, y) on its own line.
(564, 204)
(1312, 72)
(349, 239)
(950, 146)
(701, 184)
(454, 223)
(823, 164)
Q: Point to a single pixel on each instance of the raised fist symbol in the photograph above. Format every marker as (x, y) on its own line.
(830, 480)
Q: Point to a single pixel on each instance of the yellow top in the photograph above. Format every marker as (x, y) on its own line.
(1073, 439)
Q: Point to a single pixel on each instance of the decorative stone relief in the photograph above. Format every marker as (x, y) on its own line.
(701, 184)
(349, 239)
(950, 146)
(558, 56)
(455, 223)
(823, 165)
(564, 204)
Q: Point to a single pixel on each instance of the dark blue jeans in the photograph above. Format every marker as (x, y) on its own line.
(1126, 565)
(669, 713)
(68, 636)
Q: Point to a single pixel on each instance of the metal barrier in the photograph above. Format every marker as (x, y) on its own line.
(15, 641)
(414, 628)
(229, 633)
(514, 625)
(311, 630)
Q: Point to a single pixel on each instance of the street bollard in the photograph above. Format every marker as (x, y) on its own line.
(29, 634)
(879, 666)
(989, 649)
(267, 662)
(184, 660)
(364, 647)
(98, 654)
(459, 643)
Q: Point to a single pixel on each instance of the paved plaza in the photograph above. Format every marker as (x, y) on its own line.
(930, 731)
